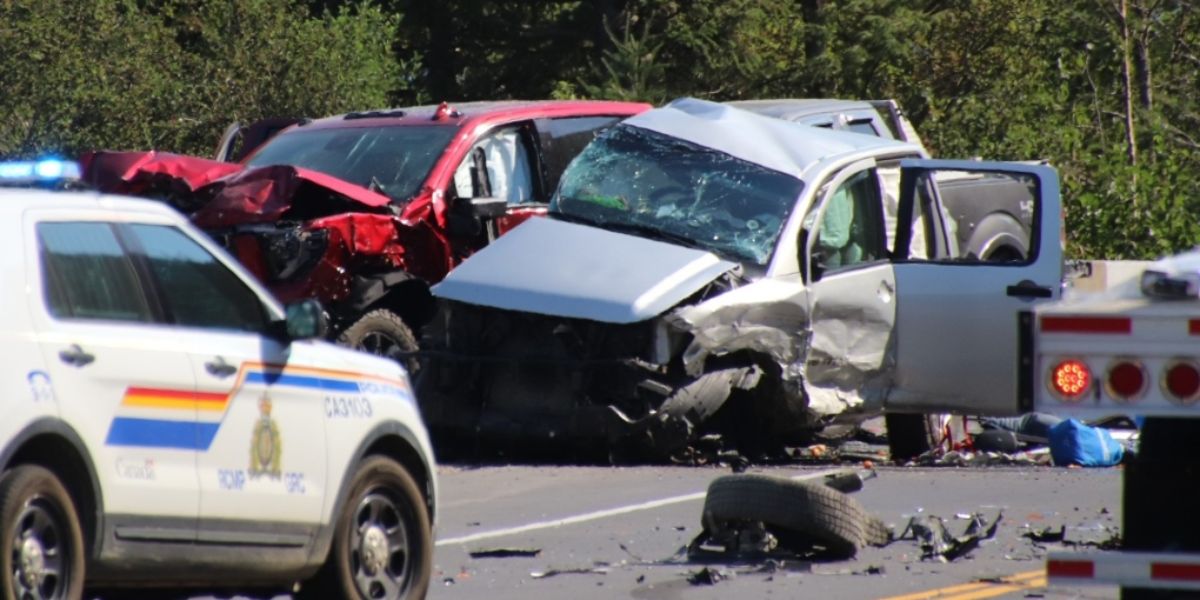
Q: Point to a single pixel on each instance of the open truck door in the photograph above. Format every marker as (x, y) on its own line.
(238, 141)
(956, 314)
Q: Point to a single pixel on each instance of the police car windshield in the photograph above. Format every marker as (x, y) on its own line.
(391, 160)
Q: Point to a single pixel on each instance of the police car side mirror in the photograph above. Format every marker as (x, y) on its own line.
(306, 320)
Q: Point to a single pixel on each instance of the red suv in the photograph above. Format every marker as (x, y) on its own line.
(364, 211)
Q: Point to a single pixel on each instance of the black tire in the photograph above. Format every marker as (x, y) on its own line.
(876, 532)
(698, 400)
(907, 435)
(386, 507)
(809, 509)
(683, 414)
(383, 333)
(39, 523)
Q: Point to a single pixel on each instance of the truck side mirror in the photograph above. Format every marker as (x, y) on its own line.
(817, 264)
(468, 217)
(488, 208)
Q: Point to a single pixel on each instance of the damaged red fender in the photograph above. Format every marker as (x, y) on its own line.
(364, 233)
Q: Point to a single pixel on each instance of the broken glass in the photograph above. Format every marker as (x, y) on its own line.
(636, 180)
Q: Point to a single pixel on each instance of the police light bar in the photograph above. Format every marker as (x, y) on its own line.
(43, 172)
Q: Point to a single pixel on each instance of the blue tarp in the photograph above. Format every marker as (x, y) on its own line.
(1074, 443)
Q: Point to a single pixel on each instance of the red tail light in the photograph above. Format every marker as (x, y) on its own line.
(1181, 381)
(1070, 380)
(1125, 380)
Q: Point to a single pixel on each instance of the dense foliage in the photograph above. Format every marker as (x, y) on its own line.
(1106, 90)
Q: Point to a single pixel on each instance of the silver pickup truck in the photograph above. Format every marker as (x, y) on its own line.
(708, 270)
(994, 230)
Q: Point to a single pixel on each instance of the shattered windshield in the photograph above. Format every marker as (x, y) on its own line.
(653, 185)
(391, 160)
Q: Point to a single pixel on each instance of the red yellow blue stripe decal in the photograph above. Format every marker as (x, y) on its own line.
(189, 420)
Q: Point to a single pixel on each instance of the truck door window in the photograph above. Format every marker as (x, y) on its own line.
(506, 163)
(197, 289)
(988, 217)
(563, 139)
(851, 230)
(86, 274)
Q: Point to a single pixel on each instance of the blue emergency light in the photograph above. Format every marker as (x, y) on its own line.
(48, 171)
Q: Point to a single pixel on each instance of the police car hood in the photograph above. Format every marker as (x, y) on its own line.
(553, 267)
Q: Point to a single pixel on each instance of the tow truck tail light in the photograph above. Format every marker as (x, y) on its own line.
(1070, 379)
(1181, 381)
(1098, 325)
(1125, 380)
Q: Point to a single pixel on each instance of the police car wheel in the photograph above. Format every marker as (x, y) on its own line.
(43, 557)
(383, 545)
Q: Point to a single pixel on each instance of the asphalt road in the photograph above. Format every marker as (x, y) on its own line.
(617, 532)
(611, 532)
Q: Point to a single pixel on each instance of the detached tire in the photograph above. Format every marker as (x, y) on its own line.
(383, 333)
(810, 509)
(43, 544)
(382, 542)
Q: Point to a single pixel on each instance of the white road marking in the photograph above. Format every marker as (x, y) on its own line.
(599, 514)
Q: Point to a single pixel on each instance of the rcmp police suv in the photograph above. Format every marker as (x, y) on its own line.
(167, 424)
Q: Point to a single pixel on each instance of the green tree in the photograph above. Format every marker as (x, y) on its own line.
(171, 75)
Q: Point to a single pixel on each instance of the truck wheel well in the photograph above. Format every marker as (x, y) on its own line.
(411, 300)
(396, 448)
(63, 459)
(999, 237)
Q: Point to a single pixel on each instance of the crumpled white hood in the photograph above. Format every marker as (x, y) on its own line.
(553, 267)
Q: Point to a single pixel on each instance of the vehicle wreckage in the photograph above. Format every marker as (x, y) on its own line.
(365, 210)
(704, 269)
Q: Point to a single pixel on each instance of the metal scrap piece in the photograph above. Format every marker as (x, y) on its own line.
(504, 552)
(938, 544)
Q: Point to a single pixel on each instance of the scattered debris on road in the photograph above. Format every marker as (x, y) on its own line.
(710, 576)
(937, 543)
(598, 570)
(505, 552)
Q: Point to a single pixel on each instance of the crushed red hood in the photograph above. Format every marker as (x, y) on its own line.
(219, 194)
(149, 173)
(265, 194)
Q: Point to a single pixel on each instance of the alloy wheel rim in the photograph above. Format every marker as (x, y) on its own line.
(40, 561)
(381, 344)
(379, 548)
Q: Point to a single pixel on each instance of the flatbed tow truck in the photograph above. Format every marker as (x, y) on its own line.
(1133, 350)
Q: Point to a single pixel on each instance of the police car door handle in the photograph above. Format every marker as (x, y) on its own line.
(75, 356)
(217, 367)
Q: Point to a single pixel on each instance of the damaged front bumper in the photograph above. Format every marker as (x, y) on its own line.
(507, 376)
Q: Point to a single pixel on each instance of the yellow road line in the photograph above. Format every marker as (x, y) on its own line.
(1001, 589)
(981, 589)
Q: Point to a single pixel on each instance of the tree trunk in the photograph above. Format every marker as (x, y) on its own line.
(1127, 73)
(813, 43)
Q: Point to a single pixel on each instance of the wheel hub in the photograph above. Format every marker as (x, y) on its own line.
(374, 549)
(32, 562)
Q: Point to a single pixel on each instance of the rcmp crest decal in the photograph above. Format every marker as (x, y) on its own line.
(265, 446)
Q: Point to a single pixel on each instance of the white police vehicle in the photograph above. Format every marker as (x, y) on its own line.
(166, 424)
